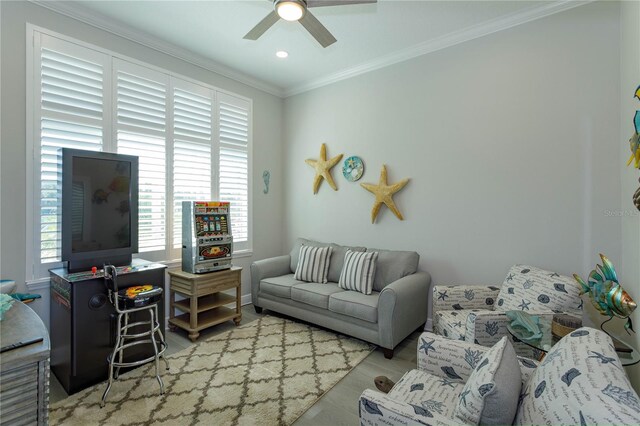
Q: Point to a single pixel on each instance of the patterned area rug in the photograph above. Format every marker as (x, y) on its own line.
(267, 372)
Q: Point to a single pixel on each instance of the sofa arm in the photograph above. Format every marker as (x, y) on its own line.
(449, 297)
(402, 308)
(487, 327)
(451, 359)
(378, 409)
(267, 268)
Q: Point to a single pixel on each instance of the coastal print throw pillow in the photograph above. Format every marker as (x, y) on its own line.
(531, 289)
(313, 264)
(358, 271)
(490, 396)
(581, 381)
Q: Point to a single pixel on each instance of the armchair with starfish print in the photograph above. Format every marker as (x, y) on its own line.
(477, 314)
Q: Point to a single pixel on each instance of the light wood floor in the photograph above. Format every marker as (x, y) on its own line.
(339, 406)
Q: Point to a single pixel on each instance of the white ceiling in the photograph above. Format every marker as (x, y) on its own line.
(369, 35)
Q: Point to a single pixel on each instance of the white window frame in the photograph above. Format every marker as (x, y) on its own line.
(36, 271)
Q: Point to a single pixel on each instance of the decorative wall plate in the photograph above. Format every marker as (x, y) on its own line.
(353, 168)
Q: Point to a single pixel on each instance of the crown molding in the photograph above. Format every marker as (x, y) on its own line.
(82, 14)
(439, 43)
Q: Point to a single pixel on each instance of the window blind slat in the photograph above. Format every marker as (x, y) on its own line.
(191, 153)
(70, 92)
(234, 166)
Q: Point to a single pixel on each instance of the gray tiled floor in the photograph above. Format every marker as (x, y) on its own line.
(339, 406)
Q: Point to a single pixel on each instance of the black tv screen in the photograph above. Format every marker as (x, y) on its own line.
(99, 208)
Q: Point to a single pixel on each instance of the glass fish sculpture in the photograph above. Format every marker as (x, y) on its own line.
(606, 293)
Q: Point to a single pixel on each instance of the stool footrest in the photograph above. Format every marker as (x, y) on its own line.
(142, 361)
(156, 327)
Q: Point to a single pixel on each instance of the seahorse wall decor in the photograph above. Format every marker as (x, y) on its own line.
(266, 176)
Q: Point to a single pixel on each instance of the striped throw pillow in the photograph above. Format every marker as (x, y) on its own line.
(358, 271)
(313, 265)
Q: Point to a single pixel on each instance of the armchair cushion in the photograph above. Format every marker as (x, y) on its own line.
(490, 396)
(528, 288)
(487, 327)
(434, 394)
(459, 297)
(378, 409)
(438, 355)
(580, 382)
(451, 324)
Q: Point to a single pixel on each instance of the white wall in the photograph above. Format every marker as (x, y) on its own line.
(267, 145)
(510, 142)
(629, 266)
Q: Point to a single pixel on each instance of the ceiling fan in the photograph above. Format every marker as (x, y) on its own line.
(297, 10)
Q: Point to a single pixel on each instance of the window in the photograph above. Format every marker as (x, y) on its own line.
(192, 149)
(234, 116)
(71, 97)
(141, 129)
(193, 142)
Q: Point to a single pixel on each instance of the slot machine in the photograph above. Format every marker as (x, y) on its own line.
(207, 243)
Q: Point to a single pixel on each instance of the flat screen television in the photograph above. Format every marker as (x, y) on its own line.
(99, 208)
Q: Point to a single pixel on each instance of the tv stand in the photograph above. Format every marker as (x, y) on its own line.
(83, 322)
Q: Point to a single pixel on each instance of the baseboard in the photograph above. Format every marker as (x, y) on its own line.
(246, 299)
(428, 326)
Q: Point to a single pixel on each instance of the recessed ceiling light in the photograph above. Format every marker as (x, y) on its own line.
(282, 54)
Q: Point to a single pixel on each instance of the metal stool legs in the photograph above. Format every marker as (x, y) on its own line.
(123, 333)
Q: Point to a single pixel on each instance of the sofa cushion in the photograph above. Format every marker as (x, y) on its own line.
(336, 261)
(313, 264)
(356, 305)
(536, 290)
(580, 381)
(279, 286)
(314, 294)
(427, 391)
(393, 265)
(490, 396)
(358, 271)
(295, 251)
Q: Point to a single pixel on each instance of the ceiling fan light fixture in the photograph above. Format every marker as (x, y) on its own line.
(290, 10)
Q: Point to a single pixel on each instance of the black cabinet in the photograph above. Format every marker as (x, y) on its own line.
(83, 322)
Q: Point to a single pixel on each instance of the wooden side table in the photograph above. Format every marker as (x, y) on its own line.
(204, 303)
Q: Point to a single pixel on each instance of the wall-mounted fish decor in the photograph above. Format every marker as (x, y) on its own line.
(606, 293)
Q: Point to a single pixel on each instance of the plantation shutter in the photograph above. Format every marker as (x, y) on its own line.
(234, 132)
(192, 142)
(141, 126)
(71, 95)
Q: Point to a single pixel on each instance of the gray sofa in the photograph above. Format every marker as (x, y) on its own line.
(397, 306)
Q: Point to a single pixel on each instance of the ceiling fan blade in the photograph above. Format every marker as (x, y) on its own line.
(321, 3)
(317, 30)
(262, 26)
